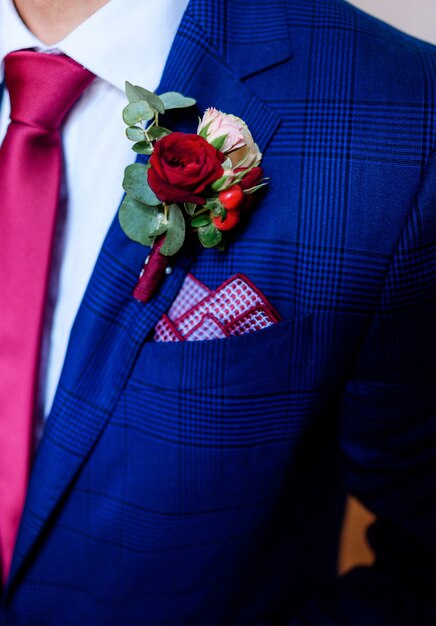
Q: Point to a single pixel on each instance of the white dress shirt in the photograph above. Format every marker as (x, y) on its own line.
(96, 150)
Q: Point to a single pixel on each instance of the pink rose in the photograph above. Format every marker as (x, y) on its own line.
(238, 143)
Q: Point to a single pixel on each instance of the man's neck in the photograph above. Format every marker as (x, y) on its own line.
(52, 20)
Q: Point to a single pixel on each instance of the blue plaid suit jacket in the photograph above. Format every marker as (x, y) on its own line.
(203, 483)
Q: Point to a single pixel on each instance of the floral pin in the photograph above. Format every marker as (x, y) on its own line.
(198, 183)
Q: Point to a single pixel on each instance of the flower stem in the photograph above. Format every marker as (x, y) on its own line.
(148, 128)
(203, 210)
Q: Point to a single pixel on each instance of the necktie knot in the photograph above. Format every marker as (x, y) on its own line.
(43, 87)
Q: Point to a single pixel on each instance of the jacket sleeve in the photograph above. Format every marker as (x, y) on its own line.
(388, 440)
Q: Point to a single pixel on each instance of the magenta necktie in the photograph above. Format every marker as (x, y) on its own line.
(42, 90)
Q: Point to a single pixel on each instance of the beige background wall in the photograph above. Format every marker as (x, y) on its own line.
(417, 17)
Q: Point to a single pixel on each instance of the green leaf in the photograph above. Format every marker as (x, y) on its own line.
(190, 208)
(135, 94)
(143, 147)
(204, 131)
(175, 232)
(135, 183)
(137, 112)
(138, 220)
(255, 188)
(219, 142)
(202, 220)
(213, 203)
(156, 132)
(217, 184)
(209, 235)
(175, 100)
(132, 92)
(135, 133)
(219, 211)
(161, 229)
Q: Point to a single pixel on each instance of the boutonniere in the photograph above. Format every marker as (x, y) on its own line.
(192, 183)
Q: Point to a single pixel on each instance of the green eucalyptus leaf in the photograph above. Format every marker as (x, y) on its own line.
(135, 94)
(161, 229)
(201, 220)
(132, 92)
(156, 132)
(143, 147)
(190, 208)
(219, 142)
(137, 112)
(209, 235)
(135, 133)
(175, 232)
(138, 220)
(135, 183)
(175, 100)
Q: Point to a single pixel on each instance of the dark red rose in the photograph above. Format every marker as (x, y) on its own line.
(182, 166)
(251, 179)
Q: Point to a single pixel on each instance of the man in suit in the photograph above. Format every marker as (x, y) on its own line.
(203, 483)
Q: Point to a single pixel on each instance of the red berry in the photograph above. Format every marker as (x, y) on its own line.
(230, 220)
(231, 198)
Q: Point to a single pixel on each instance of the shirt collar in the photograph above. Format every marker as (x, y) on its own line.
(121, 41)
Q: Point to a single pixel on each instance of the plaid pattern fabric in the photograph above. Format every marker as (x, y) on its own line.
(198, 313)
(202, 482)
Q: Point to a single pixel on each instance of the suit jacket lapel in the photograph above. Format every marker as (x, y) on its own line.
(111, 326)
(197, 66)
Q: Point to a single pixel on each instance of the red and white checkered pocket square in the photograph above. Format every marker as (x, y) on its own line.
(198, 313)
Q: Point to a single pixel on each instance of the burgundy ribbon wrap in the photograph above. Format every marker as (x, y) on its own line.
(152, 273)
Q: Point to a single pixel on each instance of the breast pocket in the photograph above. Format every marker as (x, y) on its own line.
(229, 392)
(210, 424)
